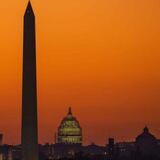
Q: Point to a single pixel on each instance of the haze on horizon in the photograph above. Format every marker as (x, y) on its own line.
(99, 56)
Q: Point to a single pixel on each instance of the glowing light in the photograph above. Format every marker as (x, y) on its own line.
(69, 131)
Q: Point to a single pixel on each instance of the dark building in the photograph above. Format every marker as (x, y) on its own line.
(1, 139)
(111, 148)
(29, 89)
(146, 143)
(94, 149)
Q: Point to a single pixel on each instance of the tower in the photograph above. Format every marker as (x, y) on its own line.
(1, 139)
(29, 89)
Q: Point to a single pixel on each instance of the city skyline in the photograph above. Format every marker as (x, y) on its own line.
(102, 80)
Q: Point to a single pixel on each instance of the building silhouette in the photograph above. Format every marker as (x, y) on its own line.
(29, 89)
(146, 143)
(1, 139)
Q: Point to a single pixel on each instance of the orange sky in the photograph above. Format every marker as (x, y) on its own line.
(99, 56)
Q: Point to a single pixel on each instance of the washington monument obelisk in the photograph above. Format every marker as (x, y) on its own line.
(29, 89)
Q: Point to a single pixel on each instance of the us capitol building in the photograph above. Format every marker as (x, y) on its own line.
(69, 131)
(68, 139)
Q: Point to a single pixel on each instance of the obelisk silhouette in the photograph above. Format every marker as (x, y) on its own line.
(29, 89)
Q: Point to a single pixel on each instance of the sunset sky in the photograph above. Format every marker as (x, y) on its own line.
(102, 57)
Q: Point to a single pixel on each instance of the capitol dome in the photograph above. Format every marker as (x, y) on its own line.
(69, 131)
(146, 143)
(146, 136)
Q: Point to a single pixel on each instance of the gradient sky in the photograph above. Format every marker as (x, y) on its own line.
(99, 56)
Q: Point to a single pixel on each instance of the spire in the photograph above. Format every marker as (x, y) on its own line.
(146, 130)
(29, 9)
(70, 111)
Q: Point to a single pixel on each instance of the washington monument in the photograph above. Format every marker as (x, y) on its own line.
(29, 89)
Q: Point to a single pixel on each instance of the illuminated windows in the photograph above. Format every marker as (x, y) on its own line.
(69, 131)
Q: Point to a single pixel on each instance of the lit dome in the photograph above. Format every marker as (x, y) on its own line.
(69, 131)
